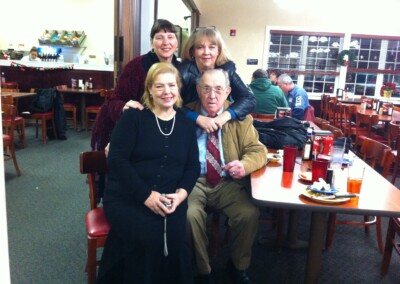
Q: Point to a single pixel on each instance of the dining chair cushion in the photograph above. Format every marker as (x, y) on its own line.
(96, 223)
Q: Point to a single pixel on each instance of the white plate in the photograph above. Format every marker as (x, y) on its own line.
(273, 158)
(320, 199)
(306, 176)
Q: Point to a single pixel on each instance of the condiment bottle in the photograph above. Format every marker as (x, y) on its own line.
(90, 85)
(307, 149)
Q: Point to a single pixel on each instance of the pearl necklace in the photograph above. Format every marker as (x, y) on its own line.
(159, 128)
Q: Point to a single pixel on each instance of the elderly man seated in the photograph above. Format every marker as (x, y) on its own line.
(227, 157)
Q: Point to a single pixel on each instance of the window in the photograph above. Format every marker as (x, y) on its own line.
(312, 58)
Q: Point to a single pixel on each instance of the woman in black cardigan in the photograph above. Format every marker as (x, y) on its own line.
(153, 165)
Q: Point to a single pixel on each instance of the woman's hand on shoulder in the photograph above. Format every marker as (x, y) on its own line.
(133, 104)
(223, 118)
(208, 124)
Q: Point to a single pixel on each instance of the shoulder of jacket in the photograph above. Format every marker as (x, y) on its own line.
(229, 66)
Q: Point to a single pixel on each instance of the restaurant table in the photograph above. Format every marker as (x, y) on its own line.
(19, 95)
(381, 117)
(82, 93)
(274, 188)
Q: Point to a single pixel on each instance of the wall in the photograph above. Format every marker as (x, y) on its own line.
(26, 20)
(250, 19)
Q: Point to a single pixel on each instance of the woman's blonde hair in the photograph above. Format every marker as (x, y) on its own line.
(155, 70)
(214, 36)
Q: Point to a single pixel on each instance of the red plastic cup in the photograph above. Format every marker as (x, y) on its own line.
(289, 157)
(319, 169)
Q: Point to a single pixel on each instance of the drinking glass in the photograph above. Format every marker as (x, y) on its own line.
(354, 178)
(319, 169)
(289, 157)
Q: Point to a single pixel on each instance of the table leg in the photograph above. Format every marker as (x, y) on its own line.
(293, 241)
(83, 107)
(317, 233)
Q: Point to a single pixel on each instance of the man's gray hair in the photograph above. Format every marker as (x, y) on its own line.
(211, 71)
(285, 78)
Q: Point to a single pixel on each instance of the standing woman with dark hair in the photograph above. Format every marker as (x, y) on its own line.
(130, 84)
(205, 49)
(153, 166)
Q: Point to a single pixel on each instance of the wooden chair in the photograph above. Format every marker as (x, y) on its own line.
(97, 227)
(9, 113)
(332, 110)
(69, 108)
(3, 90)
(43, 117)
(376, 153)
(349, 120)
(394, 153)
(319, 121)
(19, 120)
(393, 231)
(263, 116)
(324, 106)
(94, 110)
(9, 85)
(337, 132)
(364, 129)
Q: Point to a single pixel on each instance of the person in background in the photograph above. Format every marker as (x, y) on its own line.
(152, 152)
(268, 96)
(130, 84)
(238, 153)
(273, 75)
(204, 50)
(32, 56)
(297, 97)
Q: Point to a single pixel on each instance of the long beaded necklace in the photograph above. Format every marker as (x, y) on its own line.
(159, 128)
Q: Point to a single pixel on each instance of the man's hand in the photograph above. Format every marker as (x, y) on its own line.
(133, 104)
(235, 169)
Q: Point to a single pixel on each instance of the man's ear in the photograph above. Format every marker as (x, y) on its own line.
(198, 90)
(227, 92)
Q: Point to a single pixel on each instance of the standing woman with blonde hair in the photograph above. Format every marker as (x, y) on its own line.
(153, 166)
(205, 49)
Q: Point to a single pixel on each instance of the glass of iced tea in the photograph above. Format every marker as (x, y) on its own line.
(354, 178)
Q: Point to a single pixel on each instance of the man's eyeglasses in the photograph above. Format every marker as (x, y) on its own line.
(206, 90)
(205, 28)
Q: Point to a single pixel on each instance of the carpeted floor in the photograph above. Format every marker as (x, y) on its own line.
(47, 242)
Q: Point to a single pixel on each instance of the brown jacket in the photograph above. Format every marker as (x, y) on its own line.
(240, 141)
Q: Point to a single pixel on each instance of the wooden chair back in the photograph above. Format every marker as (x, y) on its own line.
(324, 106)
(9, 112)
(7, 99)
(337, 132)
(393, 132)
(319, 121)
(9, 85)
(93, 162)
(374, 152)
(349, 119)
(364, 123)
(263, 116)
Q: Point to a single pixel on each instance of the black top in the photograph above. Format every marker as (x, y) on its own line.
(141, 159)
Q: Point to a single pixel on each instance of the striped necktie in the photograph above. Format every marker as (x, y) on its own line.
(213, 159)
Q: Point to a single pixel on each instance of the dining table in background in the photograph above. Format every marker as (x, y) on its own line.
(82, 93)
(271, 187)
(19, 95)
